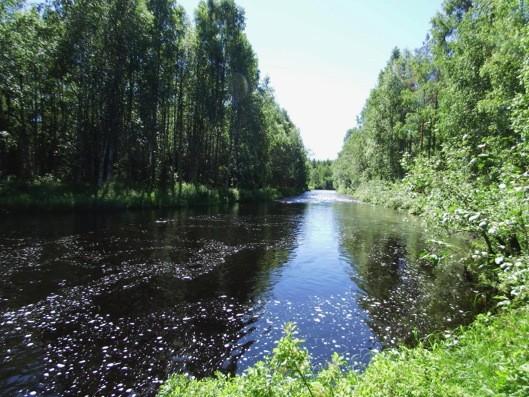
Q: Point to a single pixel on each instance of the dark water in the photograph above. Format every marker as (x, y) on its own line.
(112, 303)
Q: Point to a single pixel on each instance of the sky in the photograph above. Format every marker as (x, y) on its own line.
(323, 57)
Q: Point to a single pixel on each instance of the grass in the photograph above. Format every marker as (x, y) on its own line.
(488, 358)
(50, 196)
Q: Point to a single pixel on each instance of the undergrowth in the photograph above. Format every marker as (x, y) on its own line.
(488, 358)
(52, 195)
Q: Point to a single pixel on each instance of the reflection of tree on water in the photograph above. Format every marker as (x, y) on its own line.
(402, 294)
(144, 295)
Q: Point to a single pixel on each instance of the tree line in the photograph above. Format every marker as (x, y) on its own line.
(320, 174)
(130, 91)
(445, 133)
(465, 88)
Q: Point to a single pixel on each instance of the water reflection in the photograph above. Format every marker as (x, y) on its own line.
(112, 303)
(405, 298)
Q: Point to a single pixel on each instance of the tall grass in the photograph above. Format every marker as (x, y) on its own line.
(50, 195)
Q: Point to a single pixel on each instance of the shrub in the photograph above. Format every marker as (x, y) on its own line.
(490, 357)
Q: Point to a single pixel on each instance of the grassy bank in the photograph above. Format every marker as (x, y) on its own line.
(489, 358)
(49, 196)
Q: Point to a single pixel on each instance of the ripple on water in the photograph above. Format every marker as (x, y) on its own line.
(111, 304)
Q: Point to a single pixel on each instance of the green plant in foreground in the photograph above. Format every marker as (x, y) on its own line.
(488, 358)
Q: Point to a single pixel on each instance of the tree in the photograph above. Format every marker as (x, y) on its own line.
(126, 92)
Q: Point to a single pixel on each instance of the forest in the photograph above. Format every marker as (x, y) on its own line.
(445, 132)
(320, 175)
(135, 104)
(132, 94)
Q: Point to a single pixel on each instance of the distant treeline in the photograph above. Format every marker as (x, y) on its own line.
(320, 175)
(130, 91)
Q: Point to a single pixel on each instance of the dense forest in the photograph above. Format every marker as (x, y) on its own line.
(465, 90)
(445, 131)
(130, 92)
(320, 175)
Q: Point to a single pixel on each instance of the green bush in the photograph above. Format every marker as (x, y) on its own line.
(488, 358)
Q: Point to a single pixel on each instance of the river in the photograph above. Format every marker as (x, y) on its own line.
(112, 303)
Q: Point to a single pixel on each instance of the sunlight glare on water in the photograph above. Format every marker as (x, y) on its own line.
(113, 303)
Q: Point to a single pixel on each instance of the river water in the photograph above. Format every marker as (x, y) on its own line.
(112, 303)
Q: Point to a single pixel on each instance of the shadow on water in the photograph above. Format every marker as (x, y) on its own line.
(405, 297)
(112, 303)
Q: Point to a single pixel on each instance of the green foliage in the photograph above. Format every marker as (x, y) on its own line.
(128, 91)
(445, 135)
(468, 82)
(488, 358)
(320, 175)
(46, 193)
(492, 209)
(286, 373)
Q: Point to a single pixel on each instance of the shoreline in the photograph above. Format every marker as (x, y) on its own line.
(489, 354)
(16, 198)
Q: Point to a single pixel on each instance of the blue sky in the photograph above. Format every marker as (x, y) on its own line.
(323, 56)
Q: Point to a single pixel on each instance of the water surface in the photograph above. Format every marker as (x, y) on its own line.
(107, 303)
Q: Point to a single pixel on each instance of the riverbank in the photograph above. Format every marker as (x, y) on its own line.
(490, 357)
(492, 218)
(59, 197)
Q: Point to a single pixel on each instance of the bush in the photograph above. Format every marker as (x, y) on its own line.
(491, 357)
